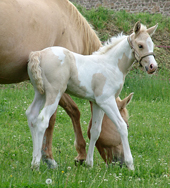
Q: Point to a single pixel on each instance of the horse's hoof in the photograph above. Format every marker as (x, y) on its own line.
(89, 163)
(131, 167)
(35, 167)
(79, 162)
(51, 163)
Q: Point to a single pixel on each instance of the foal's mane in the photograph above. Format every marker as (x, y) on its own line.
(91, 40)
(110, 43)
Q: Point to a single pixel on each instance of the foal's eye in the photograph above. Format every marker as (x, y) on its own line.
(140, 46)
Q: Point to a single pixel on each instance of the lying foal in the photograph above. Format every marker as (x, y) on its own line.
(109, 143)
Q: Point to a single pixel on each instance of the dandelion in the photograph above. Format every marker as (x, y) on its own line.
(48, 181)
(62, 172)
(69, 167)
(11, 175)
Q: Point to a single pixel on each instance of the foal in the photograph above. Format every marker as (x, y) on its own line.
(98, 78)
(109, 142)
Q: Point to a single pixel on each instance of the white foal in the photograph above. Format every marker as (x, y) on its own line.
(98, 78)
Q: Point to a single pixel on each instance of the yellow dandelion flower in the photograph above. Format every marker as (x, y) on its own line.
(62, 171)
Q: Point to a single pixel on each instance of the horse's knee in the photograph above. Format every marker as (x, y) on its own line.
(95, 132)
(122, 129)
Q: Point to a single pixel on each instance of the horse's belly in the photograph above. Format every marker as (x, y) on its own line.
(80, 92)
(13, 72)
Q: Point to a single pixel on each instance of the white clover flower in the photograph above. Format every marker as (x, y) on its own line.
(48, 181)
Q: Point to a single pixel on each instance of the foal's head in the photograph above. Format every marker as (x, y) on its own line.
(141, 42)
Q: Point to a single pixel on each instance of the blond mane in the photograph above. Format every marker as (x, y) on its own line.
(91, 40)
(110, 43)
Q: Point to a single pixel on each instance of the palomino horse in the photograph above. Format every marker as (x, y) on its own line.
(98, 78)
(109, 142)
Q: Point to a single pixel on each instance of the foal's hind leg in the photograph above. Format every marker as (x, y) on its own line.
(71, 108)
(95, 130)
(46, 151)
(33, 112)
(40, 124)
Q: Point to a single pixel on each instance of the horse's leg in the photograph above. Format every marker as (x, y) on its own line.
(39, 126)
(95, 130)
(71, 108)
(46, 151)
(32, 113)
(112, 111)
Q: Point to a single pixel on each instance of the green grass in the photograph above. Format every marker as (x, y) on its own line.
(148, 136)
(102, 17)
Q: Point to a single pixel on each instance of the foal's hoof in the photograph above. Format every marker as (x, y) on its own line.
(89, 163)
(51, 163)
(79, 162)
(131, 167)
(35, 167)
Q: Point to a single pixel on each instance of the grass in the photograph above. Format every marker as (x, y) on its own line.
(148, 137)
(105, 20)
(148, 133)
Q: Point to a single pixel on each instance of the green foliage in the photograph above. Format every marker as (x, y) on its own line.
(100, 18)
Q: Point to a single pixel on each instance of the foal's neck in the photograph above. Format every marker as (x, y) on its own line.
(122, 52)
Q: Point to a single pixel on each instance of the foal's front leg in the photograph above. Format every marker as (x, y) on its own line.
(112, 111)
(95, 130)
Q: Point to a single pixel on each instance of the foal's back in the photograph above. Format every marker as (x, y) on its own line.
(72, 73)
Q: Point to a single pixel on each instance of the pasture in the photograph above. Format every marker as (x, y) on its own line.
(148, 138)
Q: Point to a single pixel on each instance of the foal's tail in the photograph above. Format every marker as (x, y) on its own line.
(34, 70)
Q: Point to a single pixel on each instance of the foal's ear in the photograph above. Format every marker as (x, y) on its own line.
(137, 27)
(152, 30)
(123, 103)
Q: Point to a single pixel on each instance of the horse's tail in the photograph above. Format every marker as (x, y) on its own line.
(34, 70)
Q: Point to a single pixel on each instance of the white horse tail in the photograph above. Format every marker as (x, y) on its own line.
(34, 70)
